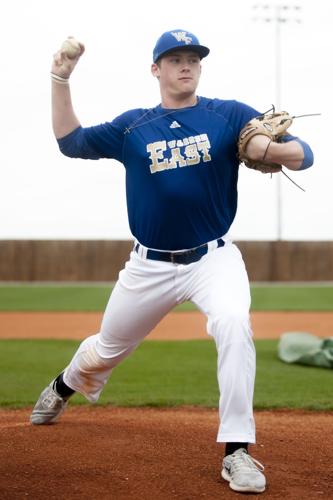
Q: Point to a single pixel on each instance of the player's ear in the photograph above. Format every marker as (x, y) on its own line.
(155, 70)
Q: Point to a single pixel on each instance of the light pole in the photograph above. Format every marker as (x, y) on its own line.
(277, 14)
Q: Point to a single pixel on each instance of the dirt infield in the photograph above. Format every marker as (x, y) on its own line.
(157, 454)
(175, 326)
(144, 454)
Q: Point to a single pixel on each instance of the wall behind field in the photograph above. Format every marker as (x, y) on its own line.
(101, 260)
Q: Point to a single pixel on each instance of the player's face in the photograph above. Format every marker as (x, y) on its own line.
(178, 73)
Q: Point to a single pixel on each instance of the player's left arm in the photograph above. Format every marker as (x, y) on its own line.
(293, 153)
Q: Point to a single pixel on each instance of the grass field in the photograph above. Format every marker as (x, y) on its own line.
(94, 298)
(162, 374)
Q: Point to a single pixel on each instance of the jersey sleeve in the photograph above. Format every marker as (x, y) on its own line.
(236, 113)
(308, 153)
(240, 115)
(100, 141)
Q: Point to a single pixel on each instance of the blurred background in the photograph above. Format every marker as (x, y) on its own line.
(262, 53)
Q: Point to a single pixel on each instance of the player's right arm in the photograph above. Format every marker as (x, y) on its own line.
(100, 141)
(64, 119)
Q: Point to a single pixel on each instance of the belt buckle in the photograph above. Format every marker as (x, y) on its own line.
(174, 256)
(183, 256)
(188, 254)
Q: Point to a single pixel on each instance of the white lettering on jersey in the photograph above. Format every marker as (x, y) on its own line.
(186, 152)
(176, 157)
(192, 154)
(204, 147)
(156, 153)
(181, 36)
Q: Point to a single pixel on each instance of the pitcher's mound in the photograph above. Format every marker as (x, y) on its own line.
(151, 454)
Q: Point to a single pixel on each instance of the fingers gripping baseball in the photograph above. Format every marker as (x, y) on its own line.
(66, 58)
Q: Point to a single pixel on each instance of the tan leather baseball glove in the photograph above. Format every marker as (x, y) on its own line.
(272, 125)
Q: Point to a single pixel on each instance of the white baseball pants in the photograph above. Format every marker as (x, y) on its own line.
(145, 292)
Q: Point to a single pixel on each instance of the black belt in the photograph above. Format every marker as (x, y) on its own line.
(186, 257)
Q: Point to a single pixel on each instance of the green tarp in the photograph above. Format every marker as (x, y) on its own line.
(306, 349)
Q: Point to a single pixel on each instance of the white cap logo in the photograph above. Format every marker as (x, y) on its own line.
(180, 36)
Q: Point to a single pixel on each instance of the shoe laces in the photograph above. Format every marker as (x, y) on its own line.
(244, 461)
(52, 400)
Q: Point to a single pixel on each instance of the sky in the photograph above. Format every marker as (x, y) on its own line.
(45, 195)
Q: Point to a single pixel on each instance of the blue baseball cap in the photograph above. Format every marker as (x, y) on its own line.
(178, 39)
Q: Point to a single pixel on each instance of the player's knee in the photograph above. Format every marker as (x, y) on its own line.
(113, 350)
(91, 362)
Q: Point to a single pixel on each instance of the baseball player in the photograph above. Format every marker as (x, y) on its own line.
(181, 161)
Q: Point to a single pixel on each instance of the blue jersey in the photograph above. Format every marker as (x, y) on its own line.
(181, 168)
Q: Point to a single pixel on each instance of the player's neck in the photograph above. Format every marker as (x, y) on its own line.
(179, 102)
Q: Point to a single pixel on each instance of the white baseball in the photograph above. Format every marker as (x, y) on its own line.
(71, 48)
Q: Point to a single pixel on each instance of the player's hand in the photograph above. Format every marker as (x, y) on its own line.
(65, 60)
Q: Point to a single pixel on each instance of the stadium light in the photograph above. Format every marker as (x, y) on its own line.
(277, 14)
